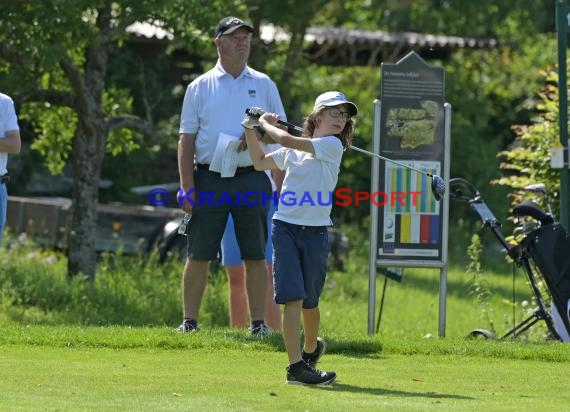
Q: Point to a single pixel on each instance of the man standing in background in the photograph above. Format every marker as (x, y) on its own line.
(9, 143)
(214, 105)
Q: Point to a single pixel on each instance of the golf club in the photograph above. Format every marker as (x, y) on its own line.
(540, 188)
(437, 183)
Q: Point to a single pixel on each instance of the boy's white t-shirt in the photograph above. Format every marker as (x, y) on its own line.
(307, 191)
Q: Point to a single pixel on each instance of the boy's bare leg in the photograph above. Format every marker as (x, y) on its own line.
(272, 309)
(311, 322)
(291, 330)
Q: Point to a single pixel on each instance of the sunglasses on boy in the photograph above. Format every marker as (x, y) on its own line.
(335, 112)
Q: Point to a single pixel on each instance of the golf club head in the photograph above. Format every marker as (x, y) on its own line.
(437, 187)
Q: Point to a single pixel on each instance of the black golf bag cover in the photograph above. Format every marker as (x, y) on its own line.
(549, 248)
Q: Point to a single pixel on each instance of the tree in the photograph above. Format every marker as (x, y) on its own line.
(285, 57)
(57, 53)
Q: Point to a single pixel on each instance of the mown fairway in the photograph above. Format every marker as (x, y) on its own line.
(154, 369)
(110, 345)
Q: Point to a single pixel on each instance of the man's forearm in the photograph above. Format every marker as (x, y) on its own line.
(186, 161)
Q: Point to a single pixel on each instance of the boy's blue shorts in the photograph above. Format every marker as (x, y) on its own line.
(300, 262)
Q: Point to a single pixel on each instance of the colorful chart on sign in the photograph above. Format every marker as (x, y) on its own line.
(412, 214)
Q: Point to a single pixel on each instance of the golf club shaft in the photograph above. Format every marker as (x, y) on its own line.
(358, 149)
(291, 125)
(366, 152)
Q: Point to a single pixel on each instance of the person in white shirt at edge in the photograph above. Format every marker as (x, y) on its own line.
(213, 107)
(10, 143)
(299, 231)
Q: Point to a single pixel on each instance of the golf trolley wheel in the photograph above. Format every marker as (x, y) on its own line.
(481, 334)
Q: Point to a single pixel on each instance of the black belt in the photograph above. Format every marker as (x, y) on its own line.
(4, 179)
(239, 170)
(314, 229)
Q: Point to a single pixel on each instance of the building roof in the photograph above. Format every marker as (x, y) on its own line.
(337, 46)
(340, 46)
(373, 38)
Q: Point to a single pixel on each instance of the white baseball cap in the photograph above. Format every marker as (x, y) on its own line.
(335, 99)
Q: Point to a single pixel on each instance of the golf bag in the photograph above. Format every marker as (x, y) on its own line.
(542, 250)
(549, 248)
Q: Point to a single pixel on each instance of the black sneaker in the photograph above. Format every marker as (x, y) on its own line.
(187, 326)
(313, 358)
(260, 330)
(302, 374)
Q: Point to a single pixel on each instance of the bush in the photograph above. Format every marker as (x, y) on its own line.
(527, 160)
(126, 291)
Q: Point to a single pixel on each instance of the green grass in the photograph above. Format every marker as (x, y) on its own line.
(117, 368)
(68, 345)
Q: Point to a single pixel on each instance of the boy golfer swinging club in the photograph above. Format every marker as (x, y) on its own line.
(299, 230)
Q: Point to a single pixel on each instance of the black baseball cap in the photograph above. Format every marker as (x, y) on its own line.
(230, 24)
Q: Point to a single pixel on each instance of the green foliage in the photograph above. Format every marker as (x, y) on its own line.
(47, 36)
(482, 18)
(489, 91)
(527, 160)
(35, 288)
(54, 130)
(116, 102)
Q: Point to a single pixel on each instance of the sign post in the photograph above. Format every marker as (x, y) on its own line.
(412, 126)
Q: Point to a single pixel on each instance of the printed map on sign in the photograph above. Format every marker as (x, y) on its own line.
(412, 215)
(415, 127)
